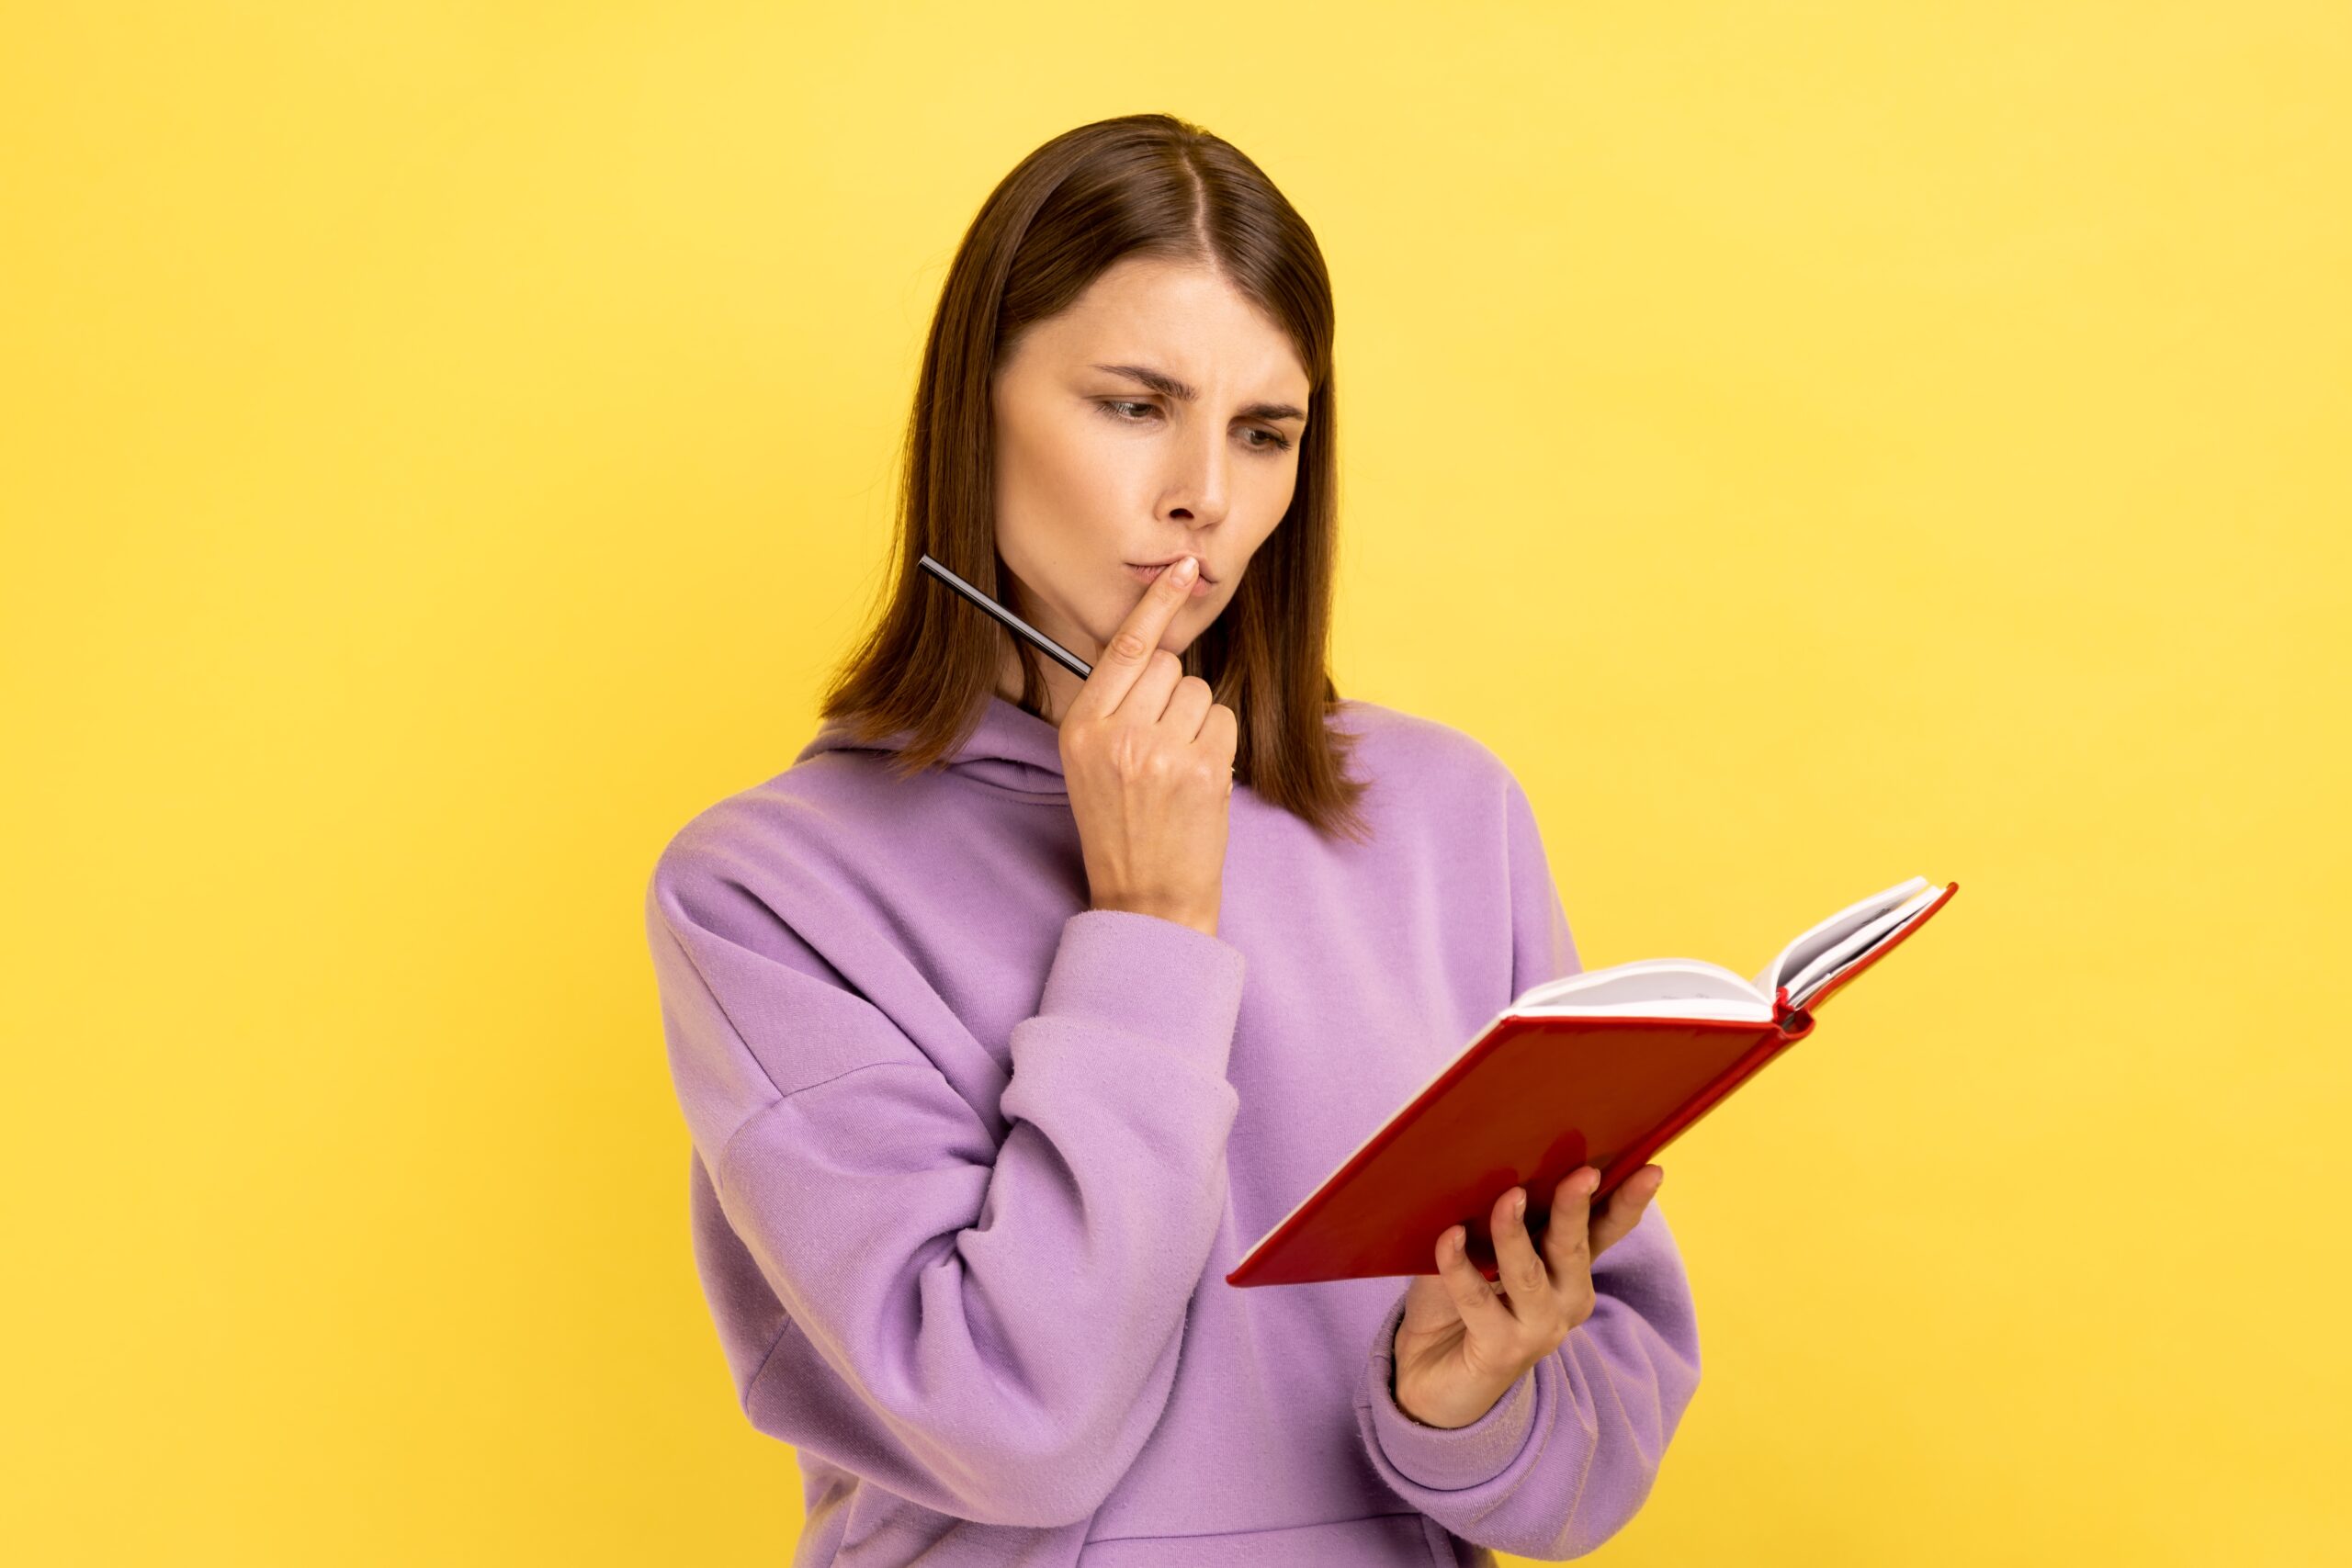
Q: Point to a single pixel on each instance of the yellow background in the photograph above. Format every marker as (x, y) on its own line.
(445, 446)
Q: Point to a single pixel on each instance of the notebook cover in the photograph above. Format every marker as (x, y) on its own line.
(1532, 1099)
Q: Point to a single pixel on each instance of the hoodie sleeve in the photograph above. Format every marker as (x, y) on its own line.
(1003, 1313)
(1564, 1459)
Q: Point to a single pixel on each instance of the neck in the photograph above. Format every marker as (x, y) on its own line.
(1061, 686)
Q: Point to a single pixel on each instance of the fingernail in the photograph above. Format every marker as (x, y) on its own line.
(1519, 1204)
(1183, 571)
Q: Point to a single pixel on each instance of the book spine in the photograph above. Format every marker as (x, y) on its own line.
(1795, 1023)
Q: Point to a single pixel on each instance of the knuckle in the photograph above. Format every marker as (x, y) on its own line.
(1129, 754)
(1163, 660)
(1128, 645)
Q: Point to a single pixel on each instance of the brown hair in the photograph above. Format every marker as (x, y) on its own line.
(1139, 184)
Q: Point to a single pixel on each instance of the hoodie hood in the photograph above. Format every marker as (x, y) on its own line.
(1010, 750)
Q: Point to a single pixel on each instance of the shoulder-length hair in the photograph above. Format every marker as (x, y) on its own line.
(1144, 184)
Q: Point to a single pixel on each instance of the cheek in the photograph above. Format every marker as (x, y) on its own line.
(1268, 503)
(1109, 470)
(1277, 484)
(1074, 479)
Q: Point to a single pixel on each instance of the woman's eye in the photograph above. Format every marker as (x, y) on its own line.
(1275, 441)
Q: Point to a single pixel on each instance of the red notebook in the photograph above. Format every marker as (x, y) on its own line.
(1605, 1067)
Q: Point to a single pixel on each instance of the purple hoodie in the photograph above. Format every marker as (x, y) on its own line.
(970, 1161)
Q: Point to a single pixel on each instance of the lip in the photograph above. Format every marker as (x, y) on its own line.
(1149, 571)
(1171, 560)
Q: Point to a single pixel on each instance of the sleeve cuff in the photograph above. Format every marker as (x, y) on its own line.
(1445, 1458)
(1151, 978)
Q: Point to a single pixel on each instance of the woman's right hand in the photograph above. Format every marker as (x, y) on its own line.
(1148, 761)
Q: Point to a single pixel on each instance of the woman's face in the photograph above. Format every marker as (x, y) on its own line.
(1099, 466)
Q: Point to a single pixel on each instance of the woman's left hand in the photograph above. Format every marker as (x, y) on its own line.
(1460, 1345)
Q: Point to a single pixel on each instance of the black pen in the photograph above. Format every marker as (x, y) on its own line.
(1046, 645)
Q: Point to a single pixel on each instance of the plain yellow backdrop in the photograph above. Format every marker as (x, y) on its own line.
(445, 445)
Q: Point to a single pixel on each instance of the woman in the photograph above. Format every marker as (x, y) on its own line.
(1013, 1012)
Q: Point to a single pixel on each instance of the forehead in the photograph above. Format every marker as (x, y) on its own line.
(1178, 317)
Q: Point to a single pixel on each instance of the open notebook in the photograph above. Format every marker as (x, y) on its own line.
(1605, 1067)
(1810, 967)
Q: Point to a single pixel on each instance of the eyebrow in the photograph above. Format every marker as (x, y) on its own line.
(1168, 386)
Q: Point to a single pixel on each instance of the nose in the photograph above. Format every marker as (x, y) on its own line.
(1200, 487)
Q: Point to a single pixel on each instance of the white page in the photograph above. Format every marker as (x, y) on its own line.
(1809, 983)
(1648, 981)
(1831, 933)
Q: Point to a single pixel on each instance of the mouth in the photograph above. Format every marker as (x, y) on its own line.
(1151, 569)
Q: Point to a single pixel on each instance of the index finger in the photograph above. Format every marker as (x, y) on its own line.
(1131, 646)
(1473, 1297)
